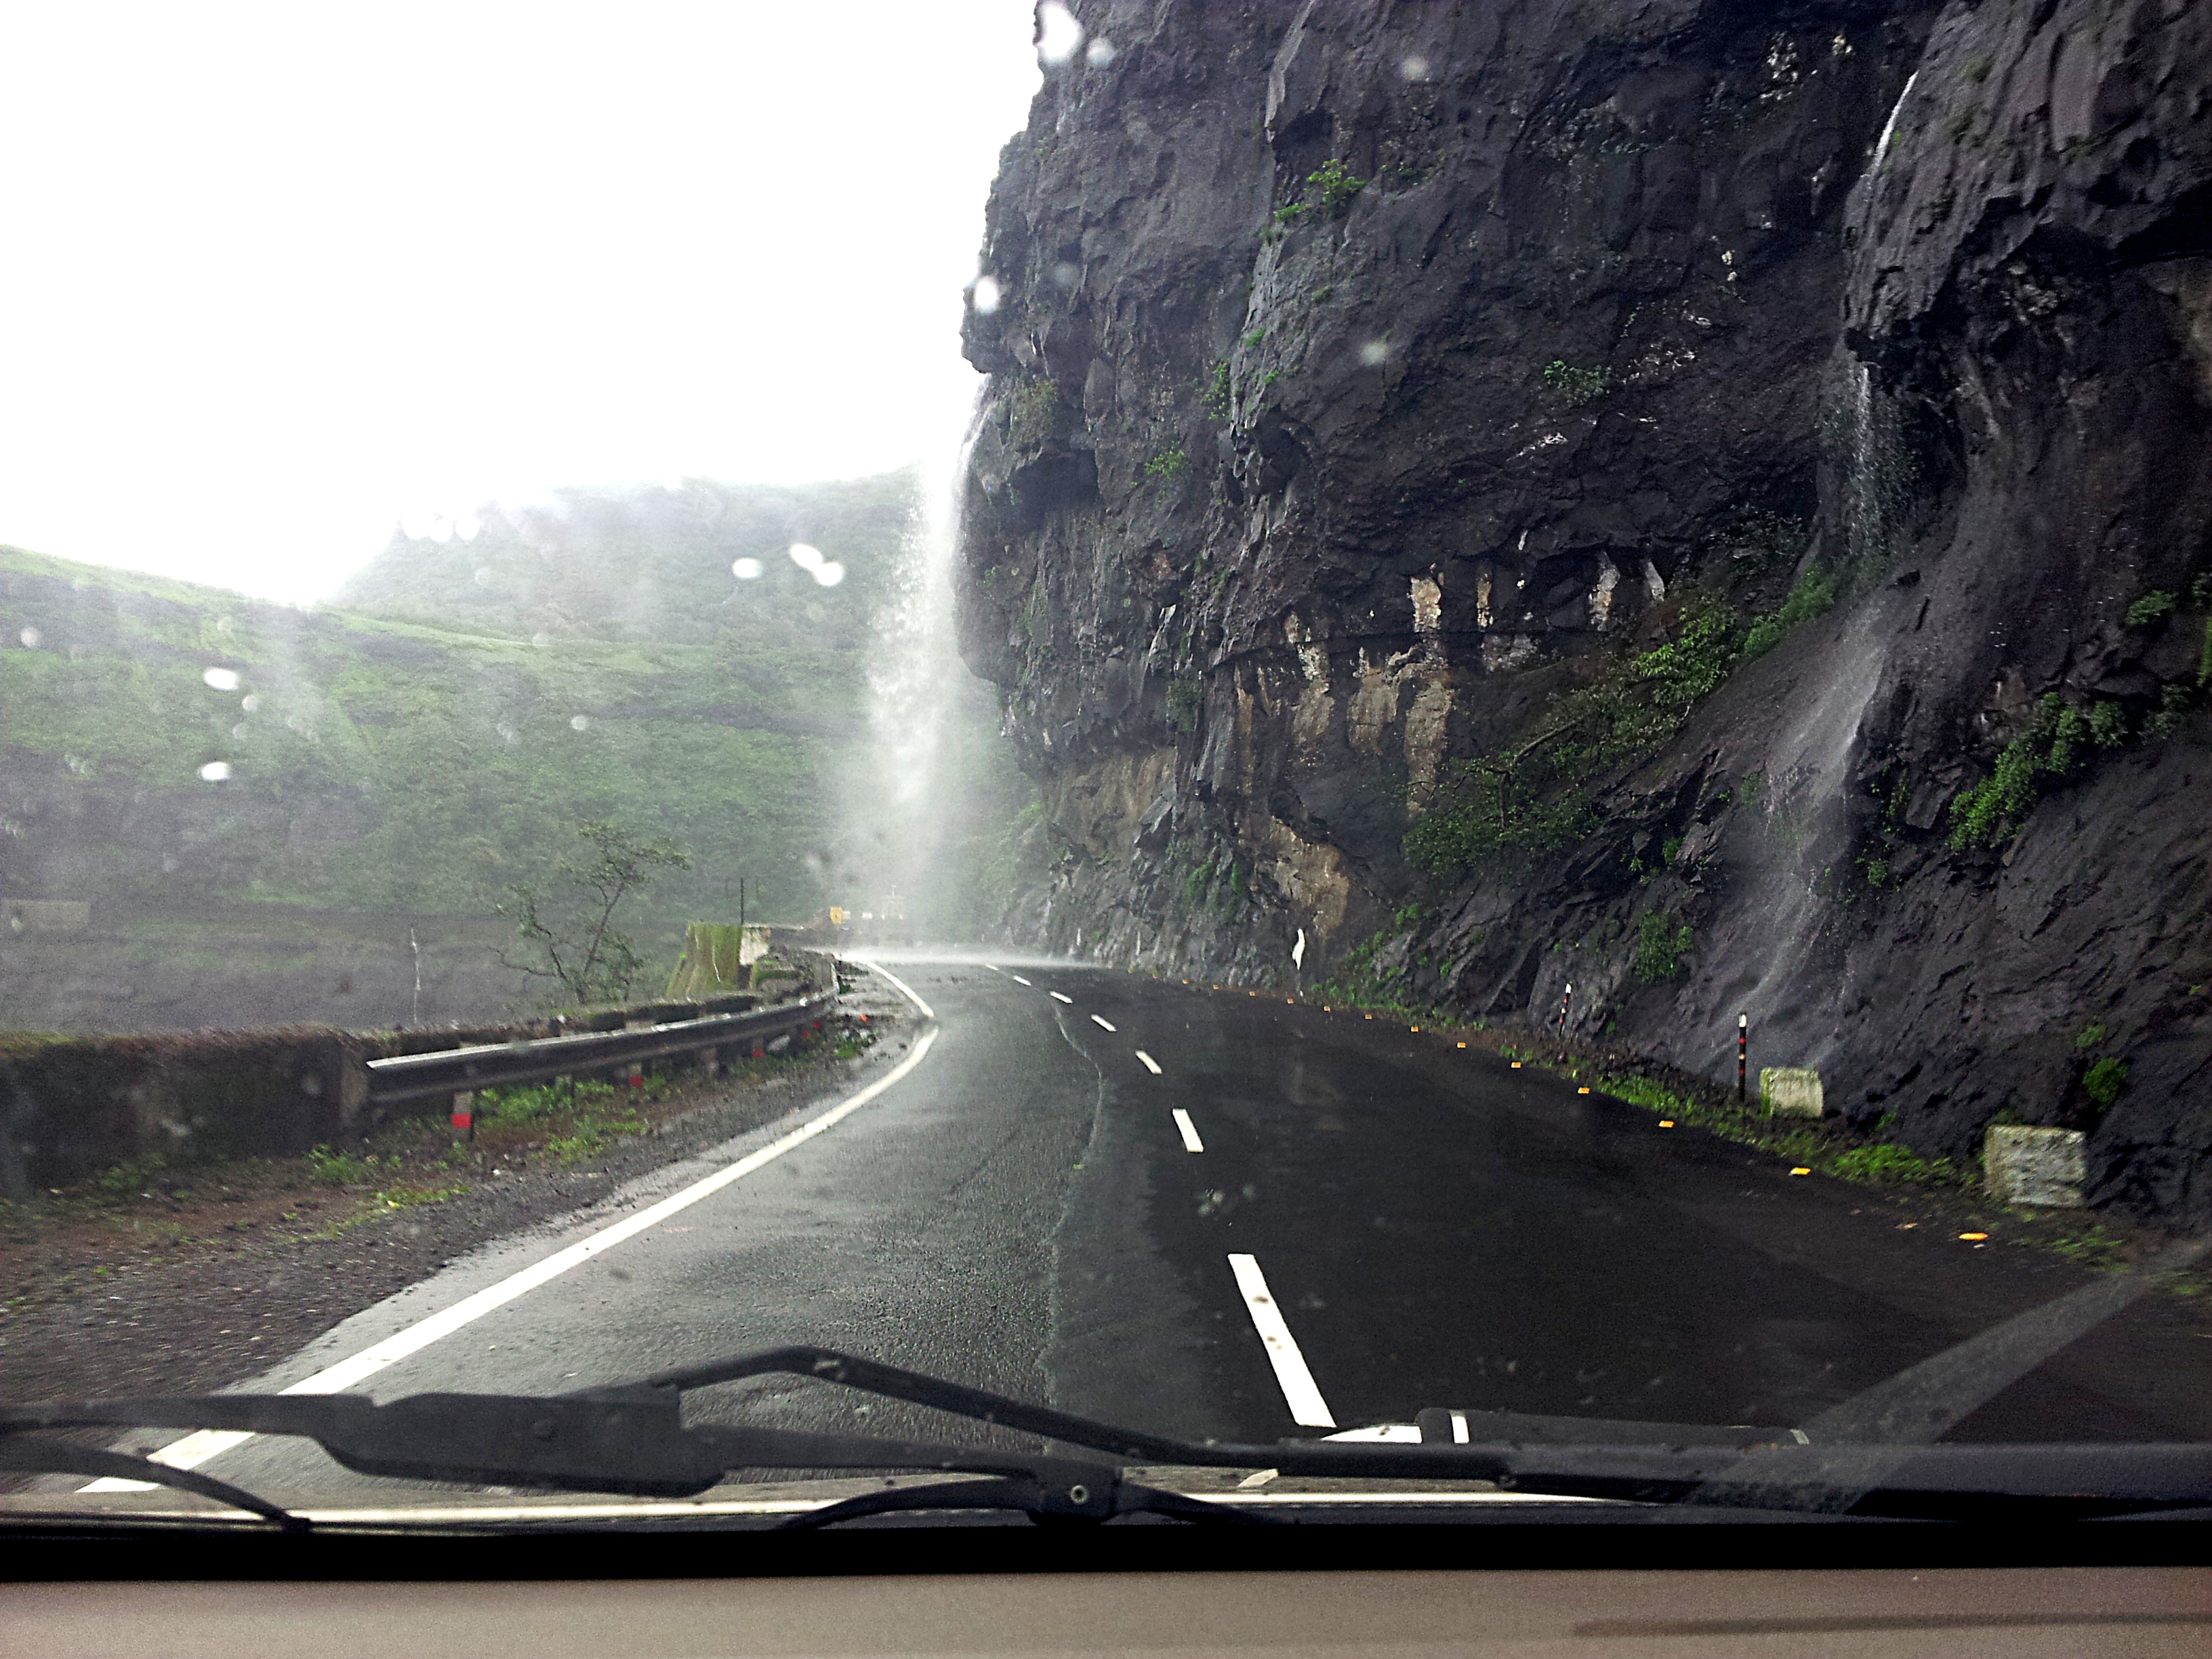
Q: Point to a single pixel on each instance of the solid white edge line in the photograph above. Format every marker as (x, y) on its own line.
(1308, 1409)
(1056, 997)
(1103, 1024)
(1191, 1143)
(904, 989)
(1150, 1065)
(197, 1448)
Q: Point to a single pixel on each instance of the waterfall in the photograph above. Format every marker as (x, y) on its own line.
(900, 797)
(1876, 469)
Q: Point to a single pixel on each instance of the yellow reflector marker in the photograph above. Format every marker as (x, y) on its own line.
(1801, 1170)
(1462, 1045)
(1976, 1237)
(1413, 1028)
(1516, 1065)
(1582, 1091)
(1666, 1122)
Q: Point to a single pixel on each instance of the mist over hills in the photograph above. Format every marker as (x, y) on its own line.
(652, 562)
(168, 749)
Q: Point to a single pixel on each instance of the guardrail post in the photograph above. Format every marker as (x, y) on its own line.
(464, 1113)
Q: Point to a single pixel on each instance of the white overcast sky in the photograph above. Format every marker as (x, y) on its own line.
(276, 277)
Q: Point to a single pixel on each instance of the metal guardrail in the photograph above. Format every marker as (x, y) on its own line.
(504, 1065)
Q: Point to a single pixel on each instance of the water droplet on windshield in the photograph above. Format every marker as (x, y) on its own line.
(468, 524)
(1375, 352)
(238, 733)
(1064, 275)
(223, 679)
(250, 702)
(984, 296)
(746, 570)
(541, 640)
(805, 557)
(484, 575)
(1413, 67)
(215, 771)
(829, 572)
(30, 636)
(1058, 34)
(1100, 53)
(579, 723)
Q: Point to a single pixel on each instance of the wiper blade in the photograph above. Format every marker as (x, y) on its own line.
(1034, 1498)
(632, 1439)
(27, 1454)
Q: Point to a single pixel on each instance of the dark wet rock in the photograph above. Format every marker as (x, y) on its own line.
(1288, 495)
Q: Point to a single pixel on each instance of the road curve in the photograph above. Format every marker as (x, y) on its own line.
(1213, 1212)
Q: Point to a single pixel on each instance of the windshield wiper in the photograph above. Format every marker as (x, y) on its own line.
(631, 1438)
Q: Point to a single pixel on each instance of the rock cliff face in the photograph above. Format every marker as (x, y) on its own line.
(1707, 502)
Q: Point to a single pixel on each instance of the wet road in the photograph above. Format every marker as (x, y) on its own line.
(1213, 1213)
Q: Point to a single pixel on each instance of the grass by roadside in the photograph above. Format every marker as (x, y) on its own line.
(1952, 1192)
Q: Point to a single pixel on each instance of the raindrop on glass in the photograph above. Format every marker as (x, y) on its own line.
(805, 557)
(223, 679)
(746, 570)
(1413, 67)
(30, 636)
(215, 771)
(1100, 54)
(484, 575)
(579, 723)
(1065, 276)
(250, 702)
(984, 296)
(829, 572)
(1058, 34)
(1375, 352)
(541, 640)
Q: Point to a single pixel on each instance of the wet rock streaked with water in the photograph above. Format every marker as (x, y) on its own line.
(1774, 450)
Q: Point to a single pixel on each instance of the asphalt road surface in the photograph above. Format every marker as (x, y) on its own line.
(1213, 1213)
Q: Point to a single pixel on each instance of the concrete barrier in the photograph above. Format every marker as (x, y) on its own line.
(1790, 1091)
(2024, 1165)
(71, 1107)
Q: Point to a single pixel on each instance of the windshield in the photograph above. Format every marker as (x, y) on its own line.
(1454, 726)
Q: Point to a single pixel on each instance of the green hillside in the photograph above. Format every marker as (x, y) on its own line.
(596, 662)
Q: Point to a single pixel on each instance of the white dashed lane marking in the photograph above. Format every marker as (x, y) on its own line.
(1308, 1409)
(1188, 1130)
(1150, 1065)
(1102, 1025)
(1018, 978)
(1056, 997)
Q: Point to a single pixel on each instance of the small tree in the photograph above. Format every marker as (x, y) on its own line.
(569, 932)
